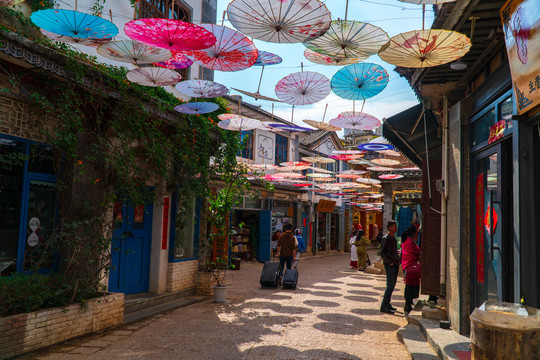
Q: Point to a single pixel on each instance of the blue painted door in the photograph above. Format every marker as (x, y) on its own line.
(130, 255)
(265, 235)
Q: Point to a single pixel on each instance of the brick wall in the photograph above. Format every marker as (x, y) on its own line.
(31, 331)
(181, 275)
(205, 283)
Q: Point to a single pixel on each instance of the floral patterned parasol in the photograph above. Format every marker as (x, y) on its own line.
(153, 76)
(93, 42)
(267, 58)
(232, 51)
(356, 121)
(201, 88)
(375, 147)
(359, 81)
(74, 24)
(280, 21)
(385, 162)
(390, 177)
(176, 62)
(134, 52)
(323, 59)
(197, 108)
(169, 34)
(303, 88)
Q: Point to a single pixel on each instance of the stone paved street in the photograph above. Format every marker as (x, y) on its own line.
(333, 314)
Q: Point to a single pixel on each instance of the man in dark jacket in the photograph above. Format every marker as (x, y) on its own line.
(286, 247)
(391, 262)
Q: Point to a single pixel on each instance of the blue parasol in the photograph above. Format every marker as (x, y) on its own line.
(74, 24)
(267, 58)
(375, 147)
(291, 128)
(359, 81)
(197, 108)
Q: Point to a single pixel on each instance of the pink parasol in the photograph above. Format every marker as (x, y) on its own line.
(296, 163)
(201, 88)
(153, 76)
(176, 62)
(348, 176)
(273, 177)
(292, 168)
(385, 162)
(291, 175)
(347, 152)
(262, 166)
(302, 184)
(303, 88)
(390, 177)
(231, 52)
(379, 168)
(356, 121)
(169, 34)
(345, 157)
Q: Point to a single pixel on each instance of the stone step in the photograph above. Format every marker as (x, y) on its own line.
(144, 312)
(136, 302)
(415, 342)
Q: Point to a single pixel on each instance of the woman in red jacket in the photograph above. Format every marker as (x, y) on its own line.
(410, 258)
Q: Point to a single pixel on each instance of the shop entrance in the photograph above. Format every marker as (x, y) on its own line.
(130, 249)
(493, 231)
(253, 239)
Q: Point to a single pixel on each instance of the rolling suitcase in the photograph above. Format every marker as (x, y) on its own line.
(290, 279)
(270, 274)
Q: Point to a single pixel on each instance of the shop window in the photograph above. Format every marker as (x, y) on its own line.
(246, 138)
(506, 111)
(28, 205)
(331, 166)
(480, 127)
(282, 145)
(184, 238)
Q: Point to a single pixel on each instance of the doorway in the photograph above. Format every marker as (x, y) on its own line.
(492, 245)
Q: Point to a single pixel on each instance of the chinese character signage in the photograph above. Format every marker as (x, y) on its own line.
(326, 206)
(496, 132)
(521, 21)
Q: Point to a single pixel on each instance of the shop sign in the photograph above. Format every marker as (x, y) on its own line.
(496, 131)
(521, 21)
(480, 228)
(326, 206)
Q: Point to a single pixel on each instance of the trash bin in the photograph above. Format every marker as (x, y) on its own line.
(501, 330)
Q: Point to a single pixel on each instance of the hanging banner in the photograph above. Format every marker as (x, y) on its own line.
(521, 21)
(496, 131)
(480, 228)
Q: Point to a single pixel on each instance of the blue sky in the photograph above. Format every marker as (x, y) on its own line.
(392, 16)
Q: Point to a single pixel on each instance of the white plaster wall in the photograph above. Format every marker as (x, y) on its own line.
(264, 147)
(159, 259)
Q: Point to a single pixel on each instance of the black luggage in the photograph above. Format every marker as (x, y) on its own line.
(290, 279)
(270, 274)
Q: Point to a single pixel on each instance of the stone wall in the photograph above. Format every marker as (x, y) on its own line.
(181, 275)
(31, 331)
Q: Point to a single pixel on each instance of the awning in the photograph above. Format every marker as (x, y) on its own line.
(406, 132)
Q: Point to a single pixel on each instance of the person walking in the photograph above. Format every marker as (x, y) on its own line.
(391, 261)
(286, 248)
(354, 255)
(361, 242)
(410, 256)
(301, 247)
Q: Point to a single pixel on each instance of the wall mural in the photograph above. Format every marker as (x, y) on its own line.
(265, 148)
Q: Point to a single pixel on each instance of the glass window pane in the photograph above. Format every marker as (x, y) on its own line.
(40, 225)
(505, 109)
(185, 232)
(12, 156)
(480, 127)
(41, 159)
(281, 149)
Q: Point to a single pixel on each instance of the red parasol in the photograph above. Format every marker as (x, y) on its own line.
(231, 52)
(169, 34)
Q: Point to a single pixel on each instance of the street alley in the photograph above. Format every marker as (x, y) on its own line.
(333, 314)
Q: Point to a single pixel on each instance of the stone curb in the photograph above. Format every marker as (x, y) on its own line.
(416, 344)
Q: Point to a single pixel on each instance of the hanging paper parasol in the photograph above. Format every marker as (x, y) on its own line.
(320, 125)
(241, 124)
(347, 152)
(197, 108)
(322, 59)
(153, 76)
(231, 52)
(390, 177)
(267, 58)
(282, 21)
(295, 163)
(306, 184)
(359, 81)
(292, 168)
(409, 169)
(324, 171)
(390, 153)
(319, 179)
(319, 159)
(273, 177)
(379, 168)
(10, 2)
(134, 52)
(375, 147)
(201, 88)
(94, 42)
(426, 2)
(345, 157)
(303, 88)
(176, 62)
(360, 162)
(74, 24)
(385, 162)
(348, 176)
(291, 175)
(256, 95)
(169, 34)
(262, 166)
(349, 39)
(291, 128)
(425, 48)
(368, 181)
(356, 121)
(318, 175)
(354, 172)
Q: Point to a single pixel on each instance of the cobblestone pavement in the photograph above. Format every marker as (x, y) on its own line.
(333, 314)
